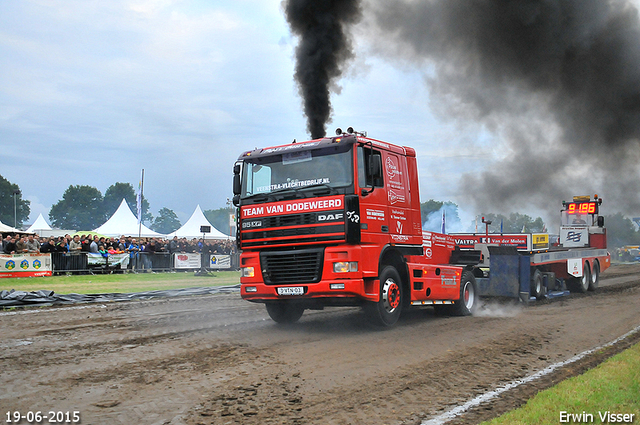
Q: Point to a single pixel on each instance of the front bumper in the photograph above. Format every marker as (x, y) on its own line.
(325, 289)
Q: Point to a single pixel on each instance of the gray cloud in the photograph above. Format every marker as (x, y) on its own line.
(556, 81)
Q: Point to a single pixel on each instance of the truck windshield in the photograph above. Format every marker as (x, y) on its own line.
(328, 167)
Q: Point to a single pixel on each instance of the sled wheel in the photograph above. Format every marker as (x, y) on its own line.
(537, 290)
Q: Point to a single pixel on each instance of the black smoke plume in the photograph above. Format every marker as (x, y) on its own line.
(557, 81)
(322, 53)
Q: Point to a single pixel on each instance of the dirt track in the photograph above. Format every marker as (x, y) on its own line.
(217, 359)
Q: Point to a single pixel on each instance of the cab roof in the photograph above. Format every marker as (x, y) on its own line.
(326, 142)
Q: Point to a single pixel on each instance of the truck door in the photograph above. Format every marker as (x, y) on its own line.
(373, 196)
(398, 196)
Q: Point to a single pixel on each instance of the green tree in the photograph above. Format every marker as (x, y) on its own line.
(166, 221)
(513, 223)
(114, 195)
(621, 231)
(8, 215)
(219, 218)
(429, 207)
(80, 208)
(431, 213)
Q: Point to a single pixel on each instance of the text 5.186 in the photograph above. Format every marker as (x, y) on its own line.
(50, 417)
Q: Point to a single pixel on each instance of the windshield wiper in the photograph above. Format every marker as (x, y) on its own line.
(257, 197)
(325, 186)
(295, 192)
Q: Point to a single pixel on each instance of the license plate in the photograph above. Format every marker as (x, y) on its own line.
(291, 290)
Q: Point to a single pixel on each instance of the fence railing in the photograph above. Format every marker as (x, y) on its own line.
(84, 262)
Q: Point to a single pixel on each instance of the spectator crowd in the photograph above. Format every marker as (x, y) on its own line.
(23, 243)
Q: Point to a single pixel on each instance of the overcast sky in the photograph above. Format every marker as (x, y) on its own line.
(93, 92)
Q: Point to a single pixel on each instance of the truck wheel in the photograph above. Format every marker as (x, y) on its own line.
(537, 290)
(468, 302)
(595, 276)
(581, 284)
(386, 311)
(284, 312)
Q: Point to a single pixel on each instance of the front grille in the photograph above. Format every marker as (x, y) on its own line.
(316, 227)
(292, 267)
(289, 220)
(294, 231)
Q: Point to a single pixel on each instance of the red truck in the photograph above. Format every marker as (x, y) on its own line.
(336, 222)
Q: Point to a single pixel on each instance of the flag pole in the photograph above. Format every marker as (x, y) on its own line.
(140, 191)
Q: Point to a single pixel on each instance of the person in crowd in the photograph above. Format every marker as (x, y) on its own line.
(174, 245)
(49, 246)
(132, 248)
(161, 246)
(21, 245)
(86, 243)
(9, 245)
(121, 243)
(93, 246)
(192, 245)
(108, 243)
(148, 252)
(75, 246)
(62, 245)
(33, 245)
(5, 240)
(102, 251)
(182, 246)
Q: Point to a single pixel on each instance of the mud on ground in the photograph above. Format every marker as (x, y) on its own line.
(220, 360)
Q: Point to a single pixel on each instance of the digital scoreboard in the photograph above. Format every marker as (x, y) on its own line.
(582, 207)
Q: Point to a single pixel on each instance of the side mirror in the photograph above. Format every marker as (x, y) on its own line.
(600, 221)
(237, 185)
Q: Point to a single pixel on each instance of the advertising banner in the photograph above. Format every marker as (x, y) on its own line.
(521, 241)
(540, 241)
(187, 260)
(25, 265)
(574, 237)
(114, 259)
(220, 262)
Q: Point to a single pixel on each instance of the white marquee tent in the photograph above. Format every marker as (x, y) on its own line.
(191, 229)
(8, 229)
(38, 225)
(123, 222)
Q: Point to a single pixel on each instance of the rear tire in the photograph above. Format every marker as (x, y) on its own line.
(468, 302)
(386, 311)
(581, 284)
(537, 289)
(595, 276)
(283, 312)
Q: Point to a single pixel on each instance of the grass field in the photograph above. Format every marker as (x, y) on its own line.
(125, 283)
(612, 387)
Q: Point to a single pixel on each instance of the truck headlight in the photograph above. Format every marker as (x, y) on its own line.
(345, 266)
(248, 272)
